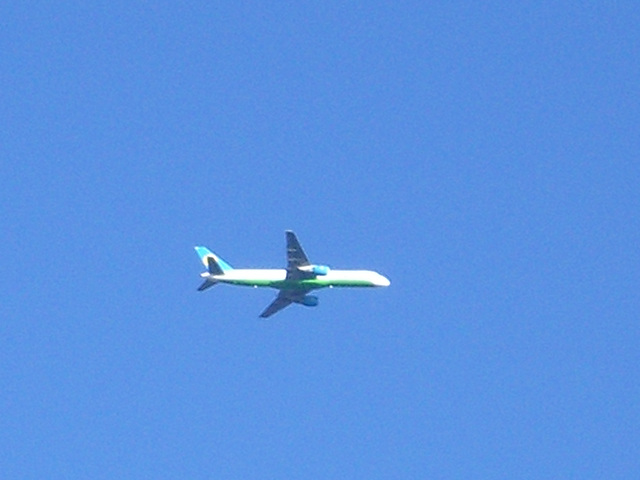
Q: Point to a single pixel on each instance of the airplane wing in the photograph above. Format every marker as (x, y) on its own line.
(296, 258)
(283, 300)
(295, 254)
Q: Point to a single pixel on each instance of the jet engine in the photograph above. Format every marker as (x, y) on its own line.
(316, 269)
(310, 301)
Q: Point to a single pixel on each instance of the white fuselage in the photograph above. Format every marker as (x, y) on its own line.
(277, 278)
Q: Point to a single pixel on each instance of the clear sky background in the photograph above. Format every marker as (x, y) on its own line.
(482, 155)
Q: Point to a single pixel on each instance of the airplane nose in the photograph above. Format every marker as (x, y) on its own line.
(382, 281)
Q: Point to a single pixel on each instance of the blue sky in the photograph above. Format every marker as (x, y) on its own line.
(483, 156)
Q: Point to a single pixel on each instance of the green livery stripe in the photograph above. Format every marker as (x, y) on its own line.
(306, 284)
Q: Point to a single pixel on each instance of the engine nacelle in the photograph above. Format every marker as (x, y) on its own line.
(310, 301)
(316, 269)
(320, 269)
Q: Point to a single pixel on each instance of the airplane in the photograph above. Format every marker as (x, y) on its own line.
(294, 283)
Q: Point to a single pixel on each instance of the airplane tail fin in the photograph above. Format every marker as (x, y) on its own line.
(215, 265)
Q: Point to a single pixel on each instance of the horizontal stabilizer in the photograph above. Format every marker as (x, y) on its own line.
(213, 267)
(206, 284)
